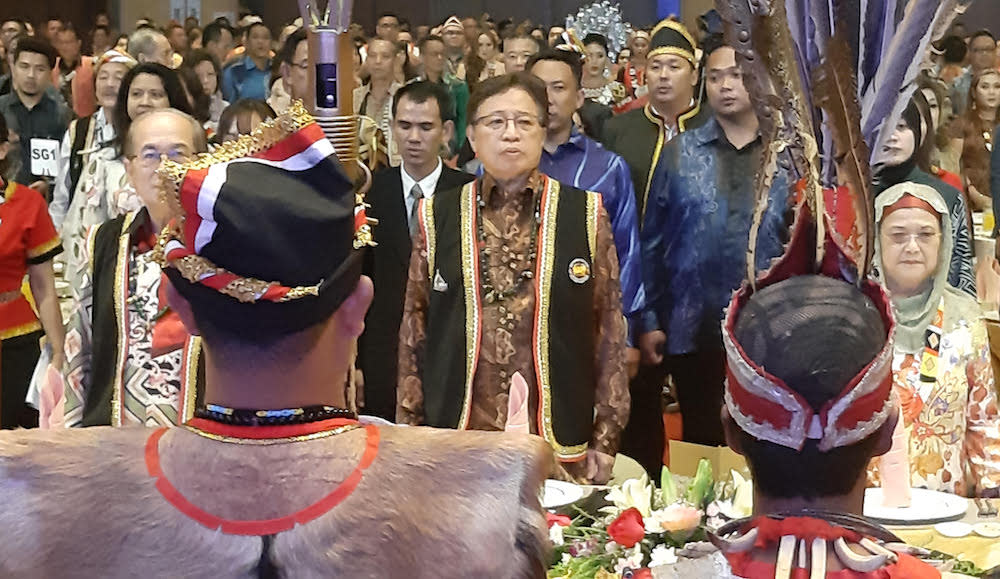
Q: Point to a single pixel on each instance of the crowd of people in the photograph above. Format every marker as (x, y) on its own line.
(560, 230)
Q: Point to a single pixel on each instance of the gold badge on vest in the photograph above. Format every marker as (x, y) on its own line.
(579, 270)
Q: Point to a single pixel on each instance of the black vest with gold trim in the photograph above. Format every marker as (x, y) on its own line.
(564, 319)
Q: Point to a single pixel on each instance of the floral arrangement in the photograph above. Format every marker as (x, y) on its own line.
(644, 528)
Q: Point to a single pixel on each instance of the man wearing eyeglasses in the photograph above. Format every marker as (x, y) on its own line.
(294, 70)
(129, 359)
(513, 318)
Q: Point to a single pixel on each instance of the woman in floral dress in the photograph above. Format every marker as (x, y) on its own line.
(941, 367)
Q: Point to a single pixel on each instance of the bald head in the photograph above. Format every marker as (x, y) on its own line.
(184, 126)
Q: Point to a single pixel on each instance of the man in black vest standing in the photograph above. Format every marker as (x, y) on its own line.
(423, 123)
(513, 316)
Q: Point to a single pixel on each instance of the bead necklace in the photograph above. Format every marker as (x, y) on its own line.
(490, 292)
(244, 417)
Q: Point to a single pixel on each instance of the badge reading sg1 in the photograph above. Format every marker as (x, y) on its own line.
(44, 157)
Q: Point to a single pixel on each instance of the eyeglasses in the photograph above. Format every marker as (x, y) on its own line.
(150, 158)
(304, 65)
(497, 122)
(922, 238)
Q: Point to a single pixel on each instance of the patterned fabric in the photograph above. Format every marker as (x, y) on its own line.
(102, 137)
(154, 366)
(103, 193)
(583, 163)
(27, 237)
(508, 325)
(694, 238)
(382, 118)
(611, 94)
(953, 424)
(154, 346)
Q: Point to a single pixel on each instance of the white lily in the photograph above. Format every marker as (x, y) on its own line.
(556, 535)
(662, 555)
(637, 493)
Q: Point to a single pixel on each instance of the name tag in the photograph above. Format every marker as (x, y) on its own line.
(44, 157)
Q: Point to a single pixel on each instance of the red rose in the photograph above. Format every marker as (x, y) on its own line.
(554, 519)
(644, 573)
(628, 529)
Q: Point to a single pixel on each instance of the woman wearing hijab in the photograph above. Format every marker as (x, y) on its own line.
(900, 165)
(941, 363)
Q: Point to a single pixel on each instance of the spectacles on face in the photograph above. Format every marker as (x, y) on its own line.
(151, 158)
(497, 122)
(903, 238)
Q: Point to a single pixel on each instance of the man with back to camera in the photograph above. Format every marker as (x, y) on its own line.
(275, 461)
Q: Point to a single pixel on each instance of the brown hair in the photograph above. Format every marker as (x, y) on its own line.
(500, 84)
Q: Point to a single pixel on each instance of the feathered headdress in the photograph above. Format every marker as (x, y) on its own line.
(828, 79)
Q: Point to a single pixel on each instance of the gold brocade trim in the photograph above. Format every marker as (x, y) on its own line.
(430, 233)
(44, 248)
(194, 268)
(473, 310)
(121, 276)
(265, 136)
(674, 51)
(190, 378)
(545, 266)
(688, 116)
(270, 441)
(656, 159)
(21, 330)
(593, 205)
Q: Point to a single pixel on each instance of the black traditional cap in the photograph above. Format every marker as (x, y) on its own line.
(266, 231)
(672, 37)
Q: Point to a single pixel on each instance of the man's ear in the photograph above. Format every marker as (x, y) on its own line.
(448, 131)
(179, 304)
(351, 313)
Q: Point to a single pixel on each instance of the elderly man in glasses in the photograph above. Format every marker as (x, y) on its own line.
(512, 318)
(129, 359)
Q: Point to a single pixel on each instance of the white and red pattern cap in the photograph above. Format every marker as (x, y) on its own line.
(264, 229)
(768, 408)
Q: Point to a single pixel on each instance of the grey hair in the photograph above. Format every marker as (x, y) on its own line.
(143, 41)
(200, 141)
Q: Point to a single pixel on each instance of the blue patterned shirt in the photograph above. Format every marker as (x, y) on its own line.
(241, 79)
(696, 231)
(583, 163)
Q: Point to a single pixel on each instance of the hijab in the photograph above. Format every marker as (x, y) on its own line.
(915, 313)
(894, 175)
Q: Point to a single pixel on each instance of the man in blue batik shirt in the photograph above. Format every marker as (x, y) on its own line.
(571, 157)
(694, 240)
(249, 76)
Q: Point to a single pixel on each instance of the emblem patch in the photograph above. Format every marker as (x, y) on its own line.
(439, 284)
(579, 270)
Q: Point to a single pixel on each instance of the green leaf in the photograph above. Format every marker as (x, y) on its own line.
(668, 487)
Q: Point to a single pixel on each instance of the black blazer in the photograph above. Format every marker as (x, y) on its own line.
(388, 264)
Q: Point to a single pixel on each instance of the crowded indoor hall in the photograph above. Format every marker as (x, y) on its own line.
(589, 289)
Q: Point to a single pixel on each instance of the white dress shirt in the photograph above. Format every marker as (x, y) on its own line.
(427, 185)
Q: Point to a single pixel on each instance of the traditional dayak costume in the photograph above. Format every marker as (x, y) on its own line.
(819, 292)
(523, 283)
(640, 134)
(307, 492)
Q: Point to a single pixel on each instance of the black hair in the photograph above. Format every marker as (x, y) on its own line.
(36, 46)
(568, 57)
(171, 85)
(287, 54)
(68, 27)
(4, 135)
(213, 32)
(429, 38)
(420, 92)
(598, 39)
(980, 34)
(815, 334)
(253, 25)
(389, 15)
(500, 84)
(239, 113)
(954, 49)
(710, 44)
(200, 102)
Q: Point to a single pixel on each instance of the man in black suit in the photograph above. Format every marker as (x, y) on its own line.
(423, 123)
